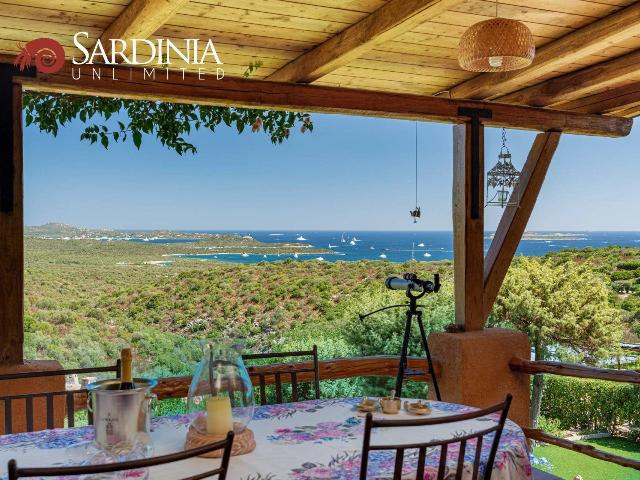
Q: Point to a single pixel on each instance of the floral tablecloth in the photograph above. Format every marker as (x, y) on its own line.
(318, 439)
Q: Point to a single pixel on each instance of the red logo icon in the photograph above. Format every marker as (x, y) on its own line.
(45, 53)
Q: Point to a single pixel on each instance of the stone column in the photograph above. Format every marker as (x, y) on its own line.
(475, 368)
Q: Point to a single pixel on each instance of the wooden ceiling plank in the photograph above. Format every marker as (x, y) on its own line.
(242, 29)
(578, 84)
(386, 23)
(586, 41)
(366, 73)
(20, 15)
(465, 20)
(295, 97)
(401, 68)
(527, 13)
(288, 8)
(141, 19)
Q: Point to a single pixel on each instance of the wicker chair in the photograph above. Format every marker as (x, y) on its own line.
(27, 399)
(277, 370)
(16, 472)
(370, 424)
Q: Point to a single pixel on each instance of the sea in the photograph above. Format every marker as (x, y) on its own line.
(401, 246)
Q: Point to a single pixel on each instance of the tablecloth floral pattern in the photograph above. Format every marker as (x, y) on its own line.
(317, 439)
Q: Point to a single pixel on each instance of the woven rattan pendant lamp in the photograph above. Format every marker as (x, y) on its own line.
(496, 45)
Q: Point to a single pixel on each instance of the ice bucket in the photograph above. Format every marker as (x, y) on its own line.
(121, 416)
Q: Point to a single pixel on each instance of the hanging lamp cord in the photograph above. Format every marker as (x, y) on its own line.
(416, 164)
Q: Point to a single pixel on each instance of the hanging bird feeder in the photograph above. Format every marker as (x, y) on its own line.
(502, 179)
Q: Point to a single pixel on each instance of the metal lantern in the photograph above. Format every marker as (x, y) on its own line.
(496, 45)
(502, 179)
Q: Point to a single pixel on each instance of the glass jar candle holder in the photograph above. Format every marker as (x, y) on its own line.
(220, 396)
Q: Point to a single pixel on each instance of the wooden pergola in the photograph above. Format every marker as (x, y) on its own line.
(395, 58)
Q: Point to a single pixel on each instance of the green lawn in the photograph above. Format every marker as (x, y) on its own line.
(568, 464)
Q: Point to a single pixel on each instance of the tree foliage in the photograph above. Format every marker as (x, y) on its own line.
(558, 305)
(564, 305)
(114, 120)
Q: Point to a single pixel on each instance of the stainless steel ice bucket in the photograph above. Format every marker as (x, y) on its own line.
(120, 416)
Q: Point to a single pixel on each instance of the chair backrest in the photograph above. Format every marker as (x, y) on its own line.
(299, 372)
(16, 472)
(45, 400)
(478, 435)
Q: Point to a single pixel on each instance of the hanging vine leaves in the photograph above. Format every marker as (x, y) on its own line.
(169, 122)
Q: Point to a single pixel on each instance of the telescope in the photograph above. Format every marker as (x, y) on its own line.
(410, 282)
(414, 289)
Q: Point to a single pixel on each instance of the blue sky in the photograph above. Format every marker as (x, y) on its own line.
(351, 173)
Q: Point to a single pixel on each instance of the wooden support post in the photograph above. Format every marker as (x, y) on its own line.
(11, 220)
(468, 218)
(514, 219)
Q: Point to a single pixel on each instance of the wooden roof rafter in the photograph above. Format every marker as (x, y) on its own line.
(580, 83)
(386, 23)
(141, 19)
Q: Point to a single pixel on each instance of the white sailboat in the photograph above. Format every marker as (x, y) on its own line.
(421, 244)
(301, 238)
(352, 242)
(245, 254)
(342, 239)
(332, 246)
(320, 259)
(295, 255)
(383, 256)
(427, 254)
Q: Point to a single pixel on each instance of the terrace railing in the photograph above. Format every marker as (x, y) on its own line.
(532, 367)
(330, 369)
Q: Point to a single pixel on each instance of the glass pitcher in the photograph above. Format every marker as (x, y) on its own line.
(221, 394)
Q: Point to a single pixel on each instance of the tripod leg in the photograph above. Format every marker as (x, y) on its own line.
(403, 355)
(425, 345)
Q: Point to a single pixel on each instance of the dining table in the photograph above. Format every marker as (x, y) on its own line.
(314, 439)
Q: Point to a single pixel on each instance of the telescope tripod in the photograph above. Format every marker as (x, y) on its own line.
(413, 310)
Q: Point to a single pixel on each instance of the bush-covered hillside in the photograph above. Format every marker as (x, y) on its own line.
(85, 299)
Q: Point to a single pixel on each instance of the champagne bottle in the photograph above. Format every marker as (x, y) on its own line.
(126, 382)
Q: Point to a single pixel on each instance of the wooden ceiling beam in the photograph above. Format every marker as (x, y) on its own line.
(141, 19)
(575, 85)
(609, 102)
(389, 21)
(239, 92)
(578, 44)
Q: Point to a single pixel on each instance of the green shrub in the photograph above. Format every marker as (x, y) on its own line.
(590, 405)
(622, 286)
(630, 265)
(46, 304)
(624, 275)
(550, 425)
